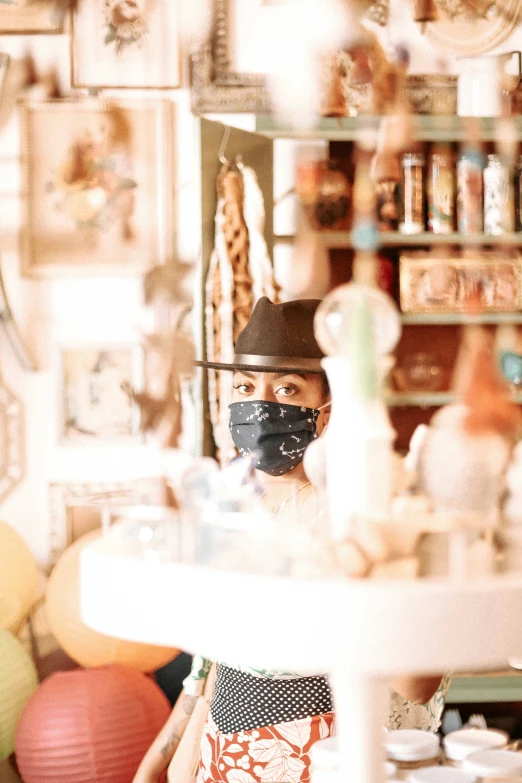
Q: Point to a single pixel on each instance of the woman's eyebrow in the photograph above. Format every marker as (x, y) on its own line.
(250, 375)
(279, 375)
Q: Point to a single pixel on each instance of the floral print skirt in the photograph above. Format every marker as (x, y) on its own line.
(270, 754)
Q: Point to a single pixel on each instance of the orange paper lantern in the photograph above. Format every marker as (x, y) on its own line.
(89, 726)
(82, 644)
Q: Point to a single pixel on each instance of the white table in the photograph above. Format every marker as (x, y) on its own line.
(359, 632)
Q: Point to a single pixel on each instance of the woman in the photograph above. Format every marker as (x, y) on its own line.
(263, 723)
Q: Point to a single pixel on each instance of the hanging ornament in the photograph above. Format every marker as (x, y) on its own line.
(379, 12)
(334, 101)
(425, 11)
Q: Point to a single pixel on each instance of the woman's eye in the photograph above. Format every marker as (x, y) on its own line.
(243, 388)
(286, 391)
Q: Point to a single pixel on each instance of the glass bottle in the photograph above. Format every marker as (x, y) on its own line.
(470, 209)
(441, 191)
(518, 195)
(498, 197)
(412, 197)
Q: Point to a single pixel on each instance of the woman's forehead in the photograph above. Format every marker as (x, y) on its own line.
(268, 376)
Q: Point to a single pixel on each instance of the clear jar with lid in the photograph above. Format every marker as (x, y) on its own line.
(518, 195)
(441, 775)
(470, 208)
(324, 758)
(412, 749)
(412, 193)
(459, 744)
(441, 190)
(499, 208)
(491, 766)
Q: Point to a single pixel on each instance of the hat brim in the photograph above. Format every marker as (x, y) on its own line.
(301, 370)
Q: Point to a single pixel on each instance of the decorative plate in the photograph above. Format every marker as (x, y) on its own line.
(472, 27)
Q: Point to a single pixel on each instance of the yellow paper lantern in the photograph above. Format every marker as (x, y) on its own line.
(82, 644)
(18, 680)
(11, 612)
(18, 573)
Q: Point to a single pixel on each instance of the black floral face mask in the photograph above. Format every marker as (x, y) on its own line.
(277, 434)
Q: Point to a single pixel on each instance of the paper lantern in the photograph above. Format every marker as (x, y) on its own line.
(18, 679)
(11, 612)
(89, 726)
(82, 644)
(18, 572)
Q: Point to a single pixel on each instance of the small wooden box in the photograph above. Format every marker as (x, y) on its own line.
(485, 280)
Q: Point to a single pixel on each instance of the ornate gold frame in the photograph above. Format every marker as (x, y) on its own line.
(13, 458)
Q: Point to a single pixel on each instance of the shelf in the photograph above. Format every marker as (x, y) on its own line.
(426, 399)
(396, 239)
(428, 128)
(485, 688)
(452, 319)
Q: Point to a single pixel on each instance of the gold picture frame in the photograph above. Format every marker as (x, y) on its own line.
(28, 17)
(133, 47)
(97, 180)
(12, 429)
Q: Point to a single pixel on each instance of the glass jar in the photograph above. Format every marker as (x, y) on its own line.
(470, 208)
(387, 205)
(491, 766)
(441, 191)
(441, 775)
(412, 196)
(324, 758)
(499, 209)
(412, 749)
(518, 195)
(331, 209)
(459, 744)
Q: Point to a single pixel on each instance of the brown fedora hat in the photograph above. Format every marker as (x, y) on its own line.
(278, 338)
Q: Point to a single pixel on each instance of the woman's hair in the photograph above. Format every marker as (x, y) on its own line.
(326, 386)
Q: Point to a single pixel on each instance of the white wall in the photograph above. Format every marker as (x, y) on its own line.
(65, 310)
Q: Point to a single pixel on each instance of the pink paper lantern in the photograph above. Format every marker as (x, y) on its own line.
(89, 726)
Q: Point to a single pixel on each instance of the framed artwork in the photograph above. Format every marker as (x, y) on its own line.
(126, 43)
(95, 403)
(486, 281)
(12, 441)
(26, 16)
(76, 508)
(470, 29)
(97, 180)
(223, 74)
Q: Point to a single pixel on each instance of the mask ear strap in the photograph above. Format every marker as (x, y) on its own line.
(326, 405)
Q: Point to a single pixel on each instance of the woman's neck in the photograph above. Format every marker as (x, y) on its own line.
(295, 476)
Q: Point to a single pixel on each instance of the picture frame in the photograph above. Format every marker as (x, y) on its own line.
(27, 17)
(76, 508)
(482, 280)
(216, 85)
(12, 438)
(95, 406)
(136, 46)
(97, 181)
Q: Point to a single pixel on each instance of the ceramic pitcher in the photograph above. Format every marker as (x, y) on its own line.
(485, 84)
